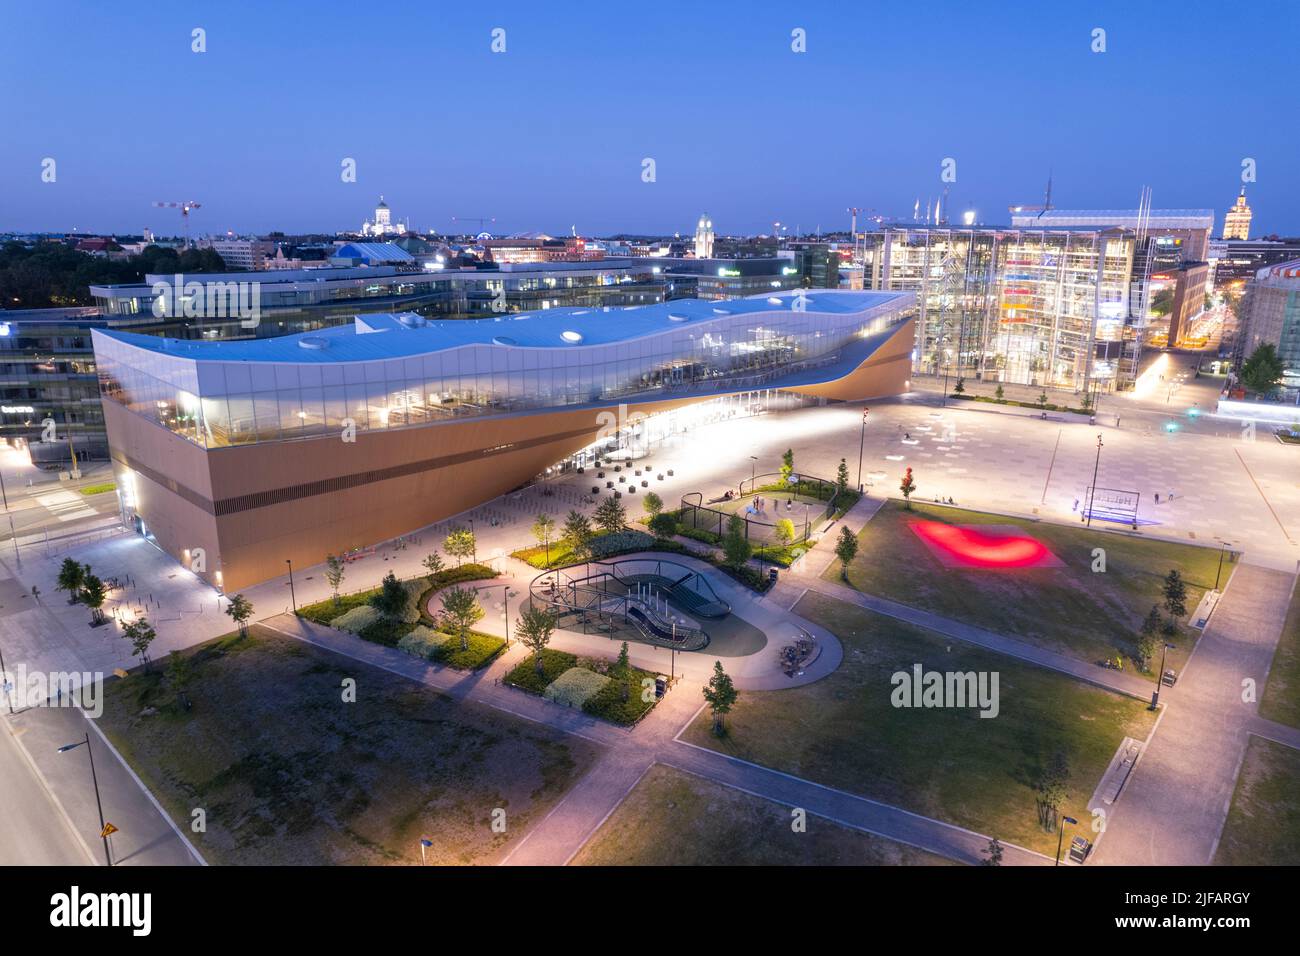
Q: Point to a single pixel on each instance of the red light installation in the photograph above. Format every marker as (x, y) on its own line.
(970, 547)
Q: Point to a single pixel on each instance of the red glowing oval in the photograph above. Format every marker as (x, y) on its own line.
(982, 550)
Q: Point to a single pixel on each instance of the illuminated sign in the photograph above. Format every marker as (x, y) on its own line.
(17, 409)
(725, 272)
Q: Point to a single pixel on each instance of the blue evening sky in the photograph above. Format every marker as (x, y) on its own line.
(553, 132)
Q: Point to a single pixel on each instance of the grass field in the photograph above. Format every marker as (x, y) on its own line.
(288, 773)
(1281, 700)
(1263, 826)
(1071, 609)
(675, 818)
(948, 763)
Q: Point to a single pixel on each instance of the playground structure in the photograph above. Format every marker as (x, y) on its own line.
(647, 599)
(803, 501)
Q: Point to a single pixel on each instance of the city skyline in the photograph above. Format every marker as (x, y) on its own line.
(552, 133)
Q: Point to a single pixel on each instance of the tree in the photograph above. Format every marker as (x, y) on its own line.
(1146, 642)
(1175, 595)
(1042, 399)
(999, 393)
(535, 628)
(390, 599)
(141, 634)
(72, 576)
(240, 610)
(576, 533)
(1162, 303)
(335, 568)
(610, 516)
(960, 387)
(721, 695)
(907, 486)
(460, 544)
(653, 503)
(460, 612)
(841, 479)
(846, 549)
(623, 664)
(93, 595)
(180, 674)
(663, 525)
(992, 854)
(1263, 370)
(784, 531)
(787, 466)
(1050, 790)
(736, 549)
(544, 532)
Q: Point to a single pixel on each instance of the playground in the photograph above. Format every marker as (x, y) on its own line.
(650, 600)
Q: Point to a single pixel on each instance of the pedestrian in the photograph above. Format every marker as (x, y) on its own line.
(1157, 497)
(1075, 507)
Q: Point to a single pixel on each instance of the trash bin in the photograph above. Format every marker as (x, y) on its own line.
(771, 575)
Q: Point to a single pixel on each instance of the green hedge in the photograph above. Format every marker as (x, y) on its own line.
(554, 663)
(1050, 407)
(608, 703)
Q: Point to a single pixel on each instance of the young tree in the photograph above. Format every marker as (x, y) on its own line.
(335, 568)
(960, 387)
(784, 532)
(663, 525)
(240, 610)
(1042, 399)
(907, 486)
(390, 599)
(841, 479)
(432, 563)
(93, 595)
(992, 854)
(544, 532)
(610, 516)
(535, 628)
(623, 664)
(1263, 370)
(141, 634)
(460, 544)
(1050, 790)
(787, 466)
(460, 612)
(721, 695)
(653, 503)
(180, 674)
(1175, 595)
(846, 549)
(1146, 642)
(999, 393)
(576, 533)
(72, 575)
(736, 549)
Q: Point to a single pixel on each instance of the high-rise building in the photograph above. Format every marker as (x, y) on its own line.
(1271, 314)
(704, 238)
(1236, 224)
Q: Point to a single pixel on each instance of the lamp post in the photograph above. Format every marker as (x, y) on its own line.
(862, 440)
(753, 473)
(292, 597)
(1222, 547)
(103, 835)
(1160, 677)
(4, 682)
(1061, 836)
(1092, 492)
(505, 604)
(13, 532)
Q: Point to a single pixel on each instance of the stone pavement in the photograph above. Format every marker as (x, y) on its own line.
(1176, 801)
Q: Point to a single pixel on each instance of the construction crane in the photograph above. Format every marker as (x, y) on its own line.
(185, 208)
(478, 219)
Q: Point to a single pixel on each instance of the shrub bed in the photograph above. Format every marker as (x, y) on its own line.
(355, 620)
(608, 702)
(554, 663)
(575, 686)
(441, 648)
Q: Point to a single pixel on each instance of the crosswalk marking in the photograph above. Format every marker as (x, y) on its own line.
(65, 505)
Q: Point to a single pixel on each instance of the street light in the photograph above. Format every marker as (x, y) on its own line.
(292, 597)
(1061, 836)
(4, 683)
(505, 603)
(753, 468)
(1222, 547)
(1160, 677)
(1092, 492)
(13, 532)
(862, 440)
(103, 830)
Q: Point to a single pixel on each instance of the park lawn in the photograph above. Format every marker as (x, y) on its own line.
(1263, 826)
(842, 731)
(1072, 609)
(1281, 701)
(288, 773)
(676, 818)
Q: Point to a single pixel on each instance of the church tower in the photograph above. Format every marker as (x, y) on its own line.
(704, 238)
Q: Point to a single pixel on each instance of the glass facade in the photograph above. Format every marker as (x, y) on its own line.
(1032, 307)
(217, 403)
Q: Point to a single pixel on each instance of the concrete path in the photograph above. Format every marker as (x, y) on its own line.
(1176, 801)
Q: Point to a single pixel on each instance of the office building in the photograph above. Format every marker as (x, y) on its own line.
(1236, 224)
